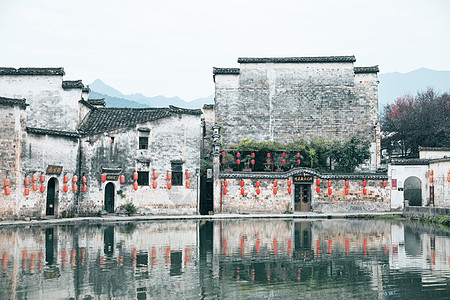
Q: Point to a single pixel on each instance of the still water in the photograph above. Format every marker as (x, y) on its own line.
(227, 259)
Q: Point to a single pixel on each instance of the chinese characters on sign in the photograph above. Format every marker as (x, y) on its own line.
(303, 178)
(54, 169)
(112, 177)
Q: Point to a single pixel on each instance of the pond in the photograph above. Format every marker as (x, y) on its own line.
(227, 259)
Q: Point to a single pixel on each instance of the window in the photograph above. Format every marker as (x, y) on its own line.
(177, 173)
(142, 178)
(143, 142)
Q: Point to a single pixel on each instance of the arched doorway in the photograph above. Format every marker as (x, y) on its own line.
(413, 191)
(109, 198)
(52, 197)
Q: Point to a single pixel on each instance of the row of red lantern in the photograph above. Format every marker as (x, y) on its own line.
(347, 184)
(330, 191)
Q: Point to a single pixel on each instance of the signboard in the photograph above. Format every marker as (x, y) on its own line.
(54, 169)
(303, 178)
(394, 184)
(112, 177)
(400, 185)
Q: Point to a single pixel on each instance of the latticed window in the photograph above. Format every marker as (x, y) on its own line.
(143, 142)
(142, 178)
(177, 173)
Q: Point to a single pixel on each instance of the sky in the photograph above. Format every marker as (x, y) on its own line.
(170, 47)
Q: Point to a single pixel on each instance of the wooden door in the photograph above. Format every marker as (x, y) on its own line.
(302, 197)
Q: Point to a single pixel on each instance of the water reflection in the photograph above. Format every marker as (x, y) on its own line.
(247, 259)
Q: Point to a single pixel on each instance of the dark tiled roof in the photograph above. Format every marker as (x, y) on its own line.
(13, 102)
(411, 161)
(32, 71)
(72, 84)
(434, 149)
(226, 71)
(101, 102)
(106, 119)
(43, 131)
(319, 59)
(208, 106)
(359, 70)
(87, 104)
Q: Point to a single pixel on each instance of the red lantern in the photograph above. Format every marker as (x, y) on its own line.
(242, 191)
(431, 179)
(122, 178)
(238, 155)
(188, 184)
(275, 183)
(289, 182)
(225, 191)
(34, 177)
(317, 189)
(188, 174)
(253, 161)
(258, 191)
(253, 154)
(75, 187)
(364, 191)
(298, 155)
(298, 161)
(169, 175)
(42, 177)
(103, 177)
(258, 184)
(135, 176)
(65, 188)
(66, 178)
(384, 183)
(155, 174)
(135, 185)
(84, 189)
(346, 184)
(169, 185)
(283, 162)
(275, 191)
(7, 182)
(330, 191)
(223, 154)
(155, 184)
(42, 189)
(268, 155)
(317, 181)
(223, 161)
(83, 179)
(283, 155)
(27, 181)
(364, 183)
(238, 161)
(329, 183)
(7, 190)
(431, 172)
(35, 187)
(74, 178)
(242, 183)
(448, 178)
(225, 183)
(346, 191)
(289, 190)
(27, 191)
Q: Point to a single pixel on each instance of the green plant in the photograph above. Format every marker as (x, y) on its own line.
(129, 207)
(444, 220)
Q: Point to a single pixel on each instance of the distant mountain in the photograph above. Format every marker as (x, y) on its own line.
(115, 98)
(394, 85)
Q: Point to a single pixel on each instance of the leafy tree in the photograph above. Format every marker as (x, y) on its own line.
(410, 122)
(350, 154)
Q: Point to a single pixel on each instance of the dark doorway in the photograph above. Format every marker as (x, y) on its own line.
(206, 195)
(302, 197)
(51, 197)
(49, 246)
(413, 191)
(109, 198)
(108, 241)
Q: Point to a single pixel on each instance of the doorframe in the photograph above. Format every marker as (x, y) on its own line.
(55, 197)
(310, 196)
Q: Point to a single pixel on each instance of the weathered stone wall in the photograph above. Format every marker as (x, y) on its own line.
(50, 106)
(12, 126)
(170, 139)
(376, 198)
(284, 102)
(441, 184)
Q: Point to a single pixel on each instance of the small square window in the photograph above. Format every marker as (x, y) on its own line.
(142, 178)
(143, 142)
(177, 173)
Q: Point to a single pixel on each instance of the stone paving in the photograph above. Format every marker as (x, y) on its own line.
(115, 218)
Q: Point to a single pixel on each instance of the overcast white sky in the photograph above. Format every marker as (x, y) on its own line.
(169, 47)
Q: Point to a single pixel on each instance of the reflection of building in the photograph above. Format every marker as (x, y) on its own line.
(62, 152)
(422, 182)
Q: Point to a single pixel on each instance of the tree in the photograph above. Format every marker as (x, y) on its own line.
(410, 122)
(350, 154)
